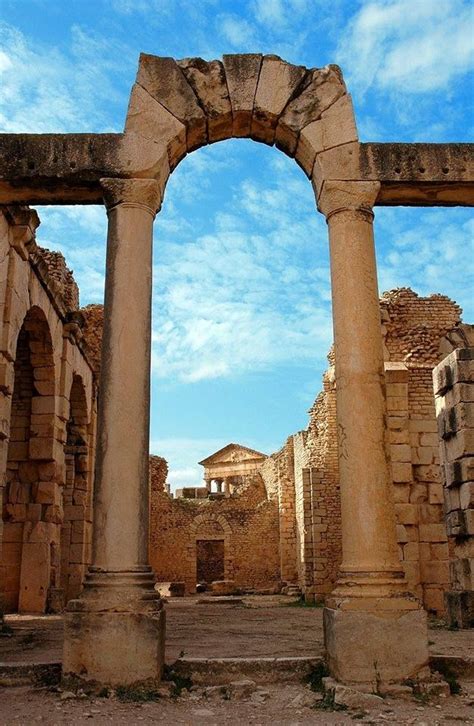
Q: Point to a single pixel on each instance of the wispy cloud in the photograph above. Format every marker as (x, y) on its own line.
(432, 251)
(408, 47)
(45, 89)
(252, 291)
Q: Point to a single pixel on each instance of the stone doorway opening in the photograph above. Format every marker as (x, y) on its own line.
(209, 560)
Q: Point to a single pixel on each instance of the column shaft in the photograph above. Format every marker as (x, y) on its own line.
(368, 532)
(121, 488)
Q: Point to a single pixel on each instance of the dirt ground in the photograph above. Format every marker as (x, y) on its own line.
(276, 705)
(255, 627)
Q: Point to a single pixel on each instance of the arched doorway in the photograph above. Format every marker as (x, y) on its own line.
(32, 507)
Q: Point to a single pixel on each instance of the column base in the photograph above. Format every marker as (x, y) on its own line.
(114, 633)
(382, 645)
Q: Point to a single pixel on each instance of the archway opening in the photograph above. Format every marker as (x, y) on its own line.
(31, 509)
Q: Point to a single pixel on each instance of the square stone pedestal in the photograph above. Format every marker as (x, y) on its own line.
(114, 648)
(114, 633)
(375, 648)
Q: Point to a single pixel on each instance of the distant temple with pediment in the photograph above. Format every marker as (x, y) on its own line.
(225, 472)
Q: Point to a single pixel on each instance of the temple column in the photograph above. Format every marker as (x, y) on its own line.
(208, 483)
(370, 606)
(227, 487)
(114, 632)
(219, 485)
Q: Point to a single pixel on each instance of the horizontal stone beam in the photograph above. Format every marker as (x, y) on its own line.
(410, 174)
(66, 168)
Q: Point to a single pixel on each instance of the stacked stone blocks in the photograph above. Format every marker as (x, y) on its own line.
(453, 382)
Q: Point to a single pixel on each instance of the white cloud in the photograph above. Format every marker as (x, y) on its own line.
(43, 89)
(432, 254)
(408, 47)
(236, 30)
(250, 294)
(279, 14)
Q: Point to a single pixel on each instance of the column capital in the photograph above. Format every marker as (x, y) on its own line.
(342, 196)
(143, 193)
(23, 223)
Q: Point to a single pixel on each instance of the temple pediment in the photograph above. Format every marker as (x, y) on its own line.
(233, 454)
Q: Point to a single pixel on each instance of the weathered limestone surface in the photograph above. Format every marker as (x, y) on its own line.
(208, 81)
(365, 648)
(67, 168)
(242, 72)
(321, 88)
(453, 382)
(335, 127)
(165, 81)
(147, 117)
(277, 83)
(428, 174)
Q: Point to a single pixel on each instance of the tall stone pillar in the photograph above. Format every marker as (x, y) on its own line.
(227, 487)
(114, 632)
(374, 629)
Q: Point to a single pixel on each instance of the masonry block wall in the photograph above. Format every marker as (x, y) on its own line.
(247, 523)
(278, 473)
(414, 330)
(453, 381)
(47, 431)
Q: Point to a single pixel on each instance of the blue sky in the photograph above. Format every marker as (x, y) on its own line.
(242, 319)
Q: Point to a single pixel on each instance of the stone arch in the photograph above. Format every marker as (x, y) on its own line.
(189, 103)
(76, 529)
(32, 511)
(209, 527)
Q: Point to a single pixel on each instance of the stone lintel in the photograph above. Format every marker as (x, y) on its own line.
(67, 168)
(410, 174)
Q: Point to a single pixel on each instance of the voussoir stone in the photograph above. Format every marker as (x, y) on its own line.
(147, 117)
(335, 127)
(322, 88)
(208, 81)
(165, 81)
(242, 71)
(277, 83)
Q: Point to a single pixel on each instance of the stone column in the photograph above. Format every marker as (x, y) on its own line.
(208, 483)
(219, 485)
(227, 487)
(114, 633)
(370, 618)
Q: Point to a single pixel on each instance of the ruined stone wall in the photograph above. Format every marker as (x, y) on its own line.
(158, 474)
(414, 329)
(453, 381)
(278, 475)
(46, 497)
(66, 286)
(246, 522)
